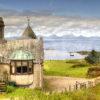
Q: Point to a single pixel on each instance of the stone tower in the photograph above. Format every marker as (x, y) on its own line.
(1, 29)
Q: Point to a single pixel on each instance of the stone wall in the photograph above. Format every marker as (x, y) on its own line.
(38, 76)
(23, 79)
(4, 67)
(32, 45)
(4, 72)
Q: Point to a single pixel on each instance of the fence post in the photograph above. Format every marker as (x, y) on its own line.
(90, 83)
(76, 85)
(69, 88)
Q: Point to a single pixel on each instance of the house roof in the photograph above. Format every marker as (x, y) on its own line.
(21, 55)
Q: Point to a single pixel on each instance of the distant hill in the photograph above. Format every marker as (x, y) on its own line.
(70, 37)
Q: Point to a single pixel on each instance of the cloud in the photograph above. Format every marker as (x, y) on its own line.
(45, 24)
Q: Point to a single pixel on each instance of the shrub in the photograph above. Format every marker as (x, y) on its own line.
(11, 83)
(93, 72)
(73, 61)
(10, 89)
(93, 57)
(79, 65)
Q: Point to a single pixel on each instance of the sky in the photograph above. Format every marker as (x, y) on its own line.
(52, 17)
(84, 8)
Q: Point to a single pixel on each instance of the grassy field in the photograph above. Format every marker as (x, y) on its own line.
(73, 68)
(29, 94)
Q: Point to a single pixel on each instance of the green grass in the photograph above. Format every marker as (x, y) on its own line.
(30, 94)
(73, 68)
(87, 94)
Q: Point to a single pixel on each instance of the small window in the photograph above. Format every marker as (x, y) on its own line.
(18, 70)
(22, 69)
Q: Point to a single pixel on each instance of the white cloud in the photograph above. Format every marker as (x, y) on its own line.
(52, 25)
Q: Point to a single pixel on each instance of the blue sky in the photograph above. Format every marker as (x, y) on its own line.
(84, 8)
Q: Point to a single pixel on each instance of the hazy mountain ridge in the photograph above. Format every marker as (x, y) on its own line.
(70, 37)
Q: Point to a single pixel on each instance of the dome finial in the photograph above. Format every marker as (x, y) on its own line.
(28, 20)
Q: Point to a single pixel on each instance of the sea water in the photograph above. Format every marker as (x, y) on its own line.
(60, 48)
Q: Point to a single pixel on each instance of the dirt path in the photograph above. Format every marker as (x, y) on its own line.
(58, 83)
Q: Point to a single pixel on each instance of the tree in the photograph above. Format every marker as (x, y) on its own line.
(93, 57)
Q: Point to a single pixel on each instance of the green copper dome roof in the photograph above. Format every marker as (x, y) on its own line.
(21, 55)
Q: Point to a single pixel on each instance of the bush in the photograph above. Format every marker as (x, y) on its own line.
(11, 83)
(73, 61)
(79, 65)
(10, 89)
(93, 57)
(94, 72)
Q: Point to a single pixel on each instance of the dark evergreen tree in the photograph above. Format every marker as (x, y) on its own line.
(93, 57)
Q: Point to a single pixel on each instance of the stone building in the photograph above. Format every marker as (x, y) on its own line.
(22, 58)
